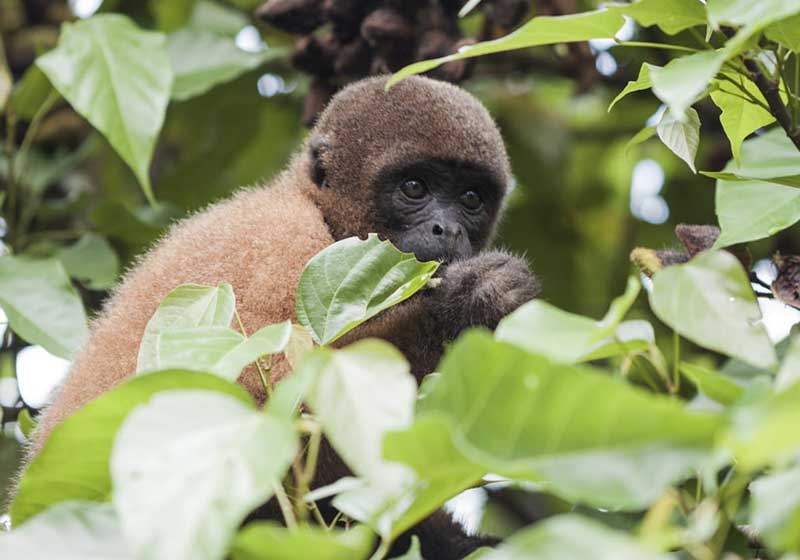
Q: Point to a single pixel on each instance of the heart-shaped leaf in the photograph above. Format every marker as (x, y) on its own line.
(353, 280)
(41, 305)
(186, 306)
(119, 78)
(189, 465)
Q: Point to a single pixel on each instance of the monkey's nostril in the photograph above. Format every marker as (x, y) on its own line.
(437, 229)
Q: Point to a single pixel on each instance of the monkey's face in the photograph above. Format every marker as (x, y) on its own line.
(437, 209)
(422, 164)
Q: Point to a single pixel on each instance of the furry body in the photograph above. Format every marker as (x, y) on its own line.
(260, 240)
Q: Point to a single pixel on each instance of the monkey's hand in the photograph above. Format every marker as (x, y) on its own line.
(483, 289)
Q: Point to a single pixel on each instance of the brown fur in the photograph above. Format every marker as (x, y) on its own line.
(260, 240)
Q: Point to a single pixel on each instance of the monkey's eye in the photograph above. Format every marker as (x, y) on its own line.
(471, 200)
(413, 188)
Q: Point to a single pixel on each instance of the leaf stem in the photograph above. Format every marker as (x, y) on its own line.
(735, 490)
(698, 36)
(304, 474)
(748, 96)
(33, 128)
(663, 46)
(285, 505)
(382, 550)
(261, 374)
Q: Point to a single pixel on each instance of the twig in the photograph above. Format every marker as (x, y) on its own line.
(262, 375)
(770, 89)
(285, 505)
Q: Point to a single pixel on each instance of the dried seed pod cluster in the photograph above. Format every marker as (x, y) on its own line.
(345, 40)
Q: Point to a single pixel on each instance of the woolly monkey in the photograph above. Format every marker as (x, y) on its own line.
(422, 165)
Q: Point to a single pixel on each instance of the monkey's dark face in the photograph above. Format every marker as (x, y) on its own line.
(437, 209)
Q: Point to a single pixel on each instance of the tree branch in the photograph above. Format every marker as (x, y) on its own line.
(770, 89)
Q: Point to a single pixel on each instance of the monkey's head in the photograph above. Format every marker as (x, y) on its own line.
(422, 165)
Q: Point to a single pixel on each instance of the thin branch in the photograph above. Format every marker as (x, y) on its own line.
(770, 89)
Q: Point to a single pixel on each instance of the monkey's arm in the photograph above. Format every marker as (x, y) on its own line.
(478, 291)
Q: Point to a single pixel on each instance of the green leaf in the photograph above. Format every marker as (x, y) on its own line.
(30, 93)
(269, 541)
(641, 83)
(571, 537)
(712, 384)
(133, 227)
(118, 77)
(766, 157)
(753, 200)
(92, 261)
(189, 305)
(542, 30)
(792, 181)
(789, 372)
(68, 531)
(682, 137)
(565, 337)
(747, 12)
(709, 301)
(219, 18)
(189, 465)
(683, 80)
(359, 394)
(775, 509)
(26, 423)
(202, 59)
(41, 304)
(442, 471)
(750, 210)
(218, 350)
(642, 136)
(786, 33)
(73, 464)
(352, 280)
(763, 431)
(740, 118)
(169, 16)
(629, 337)
(6, 83)
(583, 435)
(672, 16)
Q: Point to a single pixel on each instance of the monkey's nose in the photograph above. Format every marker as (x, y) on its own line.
(451, 231)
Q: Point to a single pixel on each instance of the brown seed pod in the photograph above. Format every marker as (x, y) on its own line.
(505, 13)
(294, 16)
(786, 286)
(650, 261)
(345, 16)
(458, 70)
(386, 28)
(315, 56)
(434, 43)
(353, 59)
(318, 95)
(451, 7)
(696, 237)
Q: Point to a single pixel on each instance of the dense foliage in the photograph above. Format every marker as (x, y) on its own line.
(652, 450)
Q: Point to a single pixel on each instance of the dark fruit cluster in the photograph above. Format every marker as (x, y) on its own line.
(345, 40)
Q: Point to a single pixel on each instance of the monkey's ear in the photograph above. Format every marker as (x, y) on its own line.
(318, 147)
